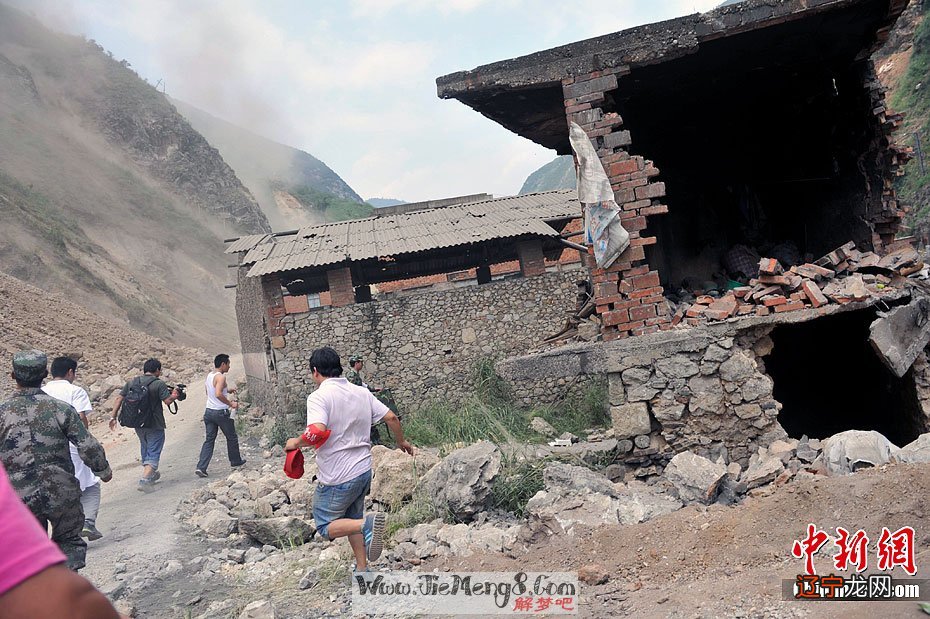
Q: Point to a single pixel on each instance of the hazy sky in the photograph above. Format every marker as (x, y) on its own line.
(353, 82)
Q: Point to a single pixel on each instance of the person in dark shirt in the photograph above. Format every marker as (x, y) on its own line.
(152, 437)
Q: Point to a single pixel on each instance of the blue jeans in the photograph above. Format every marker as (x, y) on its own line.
(346, 500)
(214, 420)
(151, 441)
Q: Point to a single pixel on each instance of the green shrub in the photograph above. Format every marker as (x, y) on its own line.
(516, 484)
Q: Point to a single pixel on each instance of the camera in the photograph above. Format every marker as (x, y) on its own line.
(181, 393)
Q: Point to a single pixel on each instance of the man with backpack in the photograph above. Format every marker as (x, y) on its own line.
(138, 406)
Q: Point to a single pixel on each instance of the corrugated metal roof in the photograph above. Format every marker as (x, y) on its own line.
(404, 233)
(246, 243)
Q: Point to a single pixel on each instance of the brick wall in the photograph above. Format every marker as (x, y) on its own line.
(628, 294)
(341, 290)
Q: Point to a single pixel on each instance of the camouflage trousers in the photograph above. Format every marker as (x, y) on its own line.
(67, 523)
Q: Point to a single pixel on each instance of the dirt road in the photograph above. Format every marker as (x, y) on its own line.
(140, 530)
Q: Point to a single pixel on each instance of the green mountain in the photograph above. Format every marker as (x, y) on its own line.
(557, 174)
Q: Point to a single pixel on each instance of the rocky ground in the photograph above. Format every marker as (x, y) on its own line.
(108, 352)
(702, 540)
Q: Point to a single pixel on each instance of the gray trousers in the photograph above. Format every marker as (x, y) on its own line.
(90, 501)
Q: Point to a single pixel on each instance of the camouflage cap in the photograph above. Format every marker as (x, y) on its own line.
(354, 359)
(30, 365)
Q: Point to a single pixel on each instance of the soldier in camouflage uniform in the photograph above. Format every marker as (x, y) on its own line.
(35, 429)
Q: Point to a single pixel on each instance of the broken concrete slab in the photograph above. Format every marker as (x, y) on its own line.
(900, 335)
(850, 451)
(696, 478)
(916, 451)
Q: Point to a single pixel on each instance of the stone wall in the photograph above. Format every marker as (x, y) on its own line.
(423, 345)
(703, 389)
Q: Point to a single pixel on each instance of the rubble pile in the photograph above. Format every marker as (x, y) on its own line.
(843, 276)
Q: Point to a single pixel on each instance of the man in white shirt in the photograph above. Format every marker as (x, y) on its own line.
(339, 420)
(61, 387)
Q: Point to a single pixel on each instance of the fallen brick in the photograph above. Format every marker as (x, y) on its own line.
(745, 309)
(770, 266)
(704, 300)
(761, 310)
(716, 314)
(764, 292)
(812, 271)
(695, 311)
(814, 294)
(789, 307)
(728, 305)
(742, 292)
(774, 280)
(774, 300)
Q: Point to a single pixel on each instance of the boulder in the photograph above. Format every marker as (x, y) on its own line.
(280, 532)
(461, 483)
(630, 420)
(849, 451)
(261, 609)
(916, 451)
(396, 474)
(217, 523)
(543, 427)
(763, 469)
(697, 479)
(596, 452)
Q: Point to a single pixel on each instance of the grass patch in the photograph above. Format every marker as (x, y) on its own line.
(516, 484)
(581, 410)
(419, 510)
(331, 206)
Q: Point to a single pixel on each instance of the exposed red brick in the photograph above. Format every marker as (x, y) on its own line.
(615, 317)
(646, 330)
(296, 304)
(577, 108)
(624, 167)
(643, 241)
(695, 311)
(649, 280)
(726, 305)
(634, 224)
(761, 310)
(635, 271)
(629, 326)
(705, 299)
(658, 209)
(630, 206)
(649, 292)
(770, 266)
(652, 190)
(643, 312)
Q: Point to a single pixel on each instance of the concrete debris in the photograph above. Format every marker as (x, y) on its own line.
(461, 483)
(697, 479)
(850, 451)
(901, 334)
(763, 469)
(916, 451)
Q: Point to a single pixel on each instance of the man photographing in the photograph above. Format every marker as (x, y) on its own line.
(339, 420)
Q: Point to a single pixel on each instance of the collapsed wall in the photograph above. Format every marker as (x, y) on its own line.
(724, 389)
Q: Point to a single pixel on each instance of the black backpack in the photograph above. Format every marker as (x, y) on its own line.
(136, 409)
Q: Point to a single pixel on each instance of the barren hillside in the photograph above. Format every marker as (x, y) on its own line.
(107, 194)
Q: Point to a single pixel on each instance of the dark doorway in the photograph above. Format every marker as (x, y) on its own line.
(830, 380)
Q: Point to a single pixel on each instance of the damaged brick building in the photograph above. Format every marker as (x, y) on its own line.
(759, 128)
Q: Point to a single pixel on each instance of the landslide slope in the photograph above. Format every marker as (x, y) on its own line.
(107, 195)
(293, 187)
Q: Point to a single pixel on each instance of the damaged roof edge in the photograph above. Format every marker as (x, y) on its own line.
(639, 46)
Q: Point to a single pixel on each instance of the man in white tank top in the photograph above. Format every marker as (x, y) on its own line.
(218, 416)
